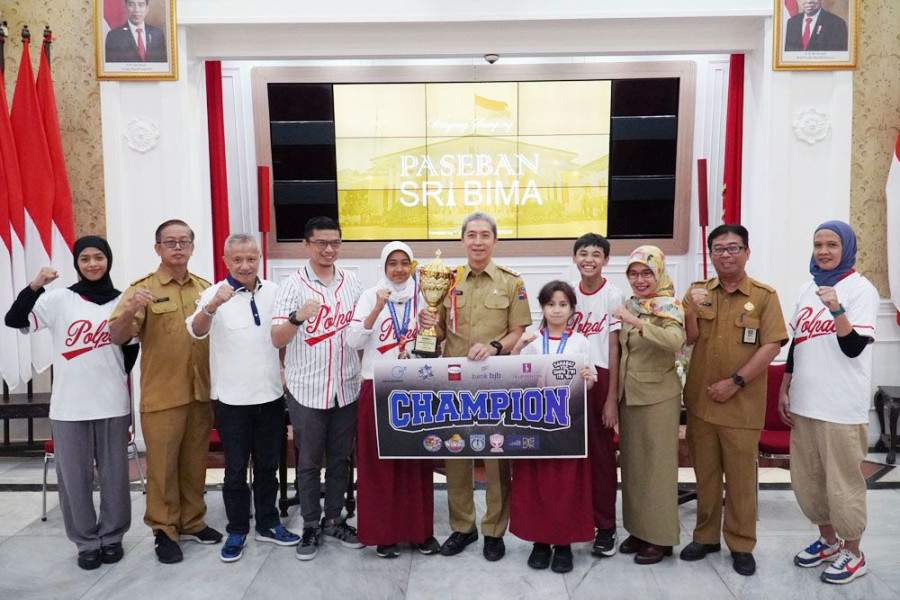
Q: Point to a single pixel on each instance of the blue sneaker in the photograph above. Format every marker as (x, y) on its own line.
(817, 553)
(278, 535)
(845, 568)
(234, 547)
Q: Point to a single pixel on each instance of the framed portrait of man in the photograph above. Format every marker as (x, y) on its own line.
(135, 39)
(815, 34)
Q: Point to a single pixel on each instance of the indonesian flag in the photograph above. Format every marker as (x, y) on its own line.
(9, 352)
(20, 345)
(113, 15)
(63, 231)
(791, 7)
(37, 188)
(892, 193)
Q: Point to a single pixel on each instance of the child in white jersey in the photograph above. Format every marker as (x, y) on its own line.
(597, 298)
(550, 503)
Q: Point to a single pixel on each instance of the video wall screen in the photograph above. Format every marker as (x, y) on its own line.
(409, 160)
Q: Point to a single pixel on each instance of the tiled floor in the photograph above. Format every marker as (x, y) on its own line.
(37, 561)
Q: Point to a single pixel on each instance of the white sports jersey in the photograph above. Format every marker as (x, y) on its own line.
(244, 366)
(89, 380)
(380, 342)
(576, 344)
(593, 318)
(827, 384)
(321, 371)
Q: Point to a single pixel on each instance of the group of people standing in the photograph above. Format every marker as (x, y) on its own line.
(326, 333)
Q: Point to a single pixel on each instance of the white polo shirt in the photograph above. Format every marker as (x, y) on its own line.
(244, 366)
(321, 371)
(593, 318)
(827, 384)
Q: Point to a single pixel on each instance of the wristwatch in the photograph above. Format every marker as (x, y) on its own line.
(292, 319)
(738, 380)
(498, 346)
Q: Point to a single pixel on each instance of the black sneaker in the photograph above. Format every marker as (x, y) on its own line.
(207, 535)
(605, 542)
(540, 556)
(388, 551)
(562, 559)
(167, 550)
(429, 546)
(457, 542)
(111, 553)
(494, 548)
(89, 559)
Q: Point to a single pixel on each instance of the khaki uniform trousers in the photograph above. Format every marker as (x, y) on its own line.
(177, 442)
(825, 473)
(732, 451)
(460, 496)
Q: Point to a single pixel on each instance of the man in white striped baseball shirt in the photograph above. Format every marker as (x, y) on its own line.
(313, 308)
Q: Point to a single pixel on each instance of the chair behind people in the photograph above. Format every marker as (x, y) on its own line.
(775, 438)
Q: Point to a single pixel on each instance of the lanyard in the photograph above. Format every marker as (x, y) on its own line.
(400, 331)
(562, 342)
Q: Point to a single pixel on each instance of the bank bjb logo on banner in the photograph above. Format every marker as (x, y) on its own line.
(503, 405)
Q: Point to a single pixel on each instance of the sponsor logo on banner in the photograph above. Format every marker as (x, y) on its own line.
(426, 372)
(398, 372)
(432, 443)
(564, 369)
(526, 367)
(455, 444)
(524, 442)
(476, 441)
(454, 372)
(496, 442)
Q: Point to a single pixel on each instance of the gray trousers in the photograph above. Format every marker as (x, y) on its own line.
(318, 434)
(77, 446)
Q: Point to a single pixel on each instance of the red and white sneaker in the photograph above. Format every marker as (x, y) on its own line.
(845, 568)
(817, 553)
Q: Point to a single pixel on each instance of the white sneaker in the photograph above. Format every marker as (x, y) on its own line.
(845, 568)
(818, 552)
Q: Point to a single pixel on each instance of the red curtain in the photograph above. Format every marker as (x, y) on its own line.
(218, 178)
(734, 139)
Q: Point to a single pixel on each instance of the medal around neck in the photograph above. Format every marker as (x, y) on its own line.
(435, 279)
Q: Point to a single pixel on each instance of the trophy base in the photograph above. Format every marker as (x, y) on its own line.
(426, 347)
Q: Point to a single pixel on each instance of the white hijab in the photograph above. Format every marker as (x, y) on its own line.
(400, 292)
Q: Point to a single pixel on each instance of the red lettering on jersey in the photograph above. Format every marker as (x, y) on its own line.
(582, 324)
(810, 325)
(84, 334)
(329, 321)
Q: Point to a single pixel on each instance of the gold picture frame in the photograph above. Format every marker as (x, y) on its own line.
(135, 40)
(828, 41)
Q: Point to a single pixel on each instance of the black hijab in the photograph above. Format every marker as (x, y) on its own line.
(102, 290)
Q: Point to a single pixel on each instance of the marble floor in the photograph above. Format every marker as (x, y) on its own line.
(37, 561)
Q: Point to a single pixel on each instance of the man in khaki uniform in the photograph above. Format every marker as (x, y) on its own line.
(491, 315)
(737, 328)
(176, 416)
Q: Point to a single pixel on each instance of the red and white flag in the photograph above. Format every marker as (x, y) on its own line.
(37, 187)
(791, 7)
(63, 231)
(9, 351)
(892, 193)
(16, 215)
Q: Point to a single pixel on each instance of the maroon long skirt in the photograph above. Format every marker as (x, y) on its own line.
(395, 498)
(551, 501)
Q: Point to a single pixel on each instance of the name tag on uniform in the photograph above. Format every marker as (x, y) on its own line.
(750, 335)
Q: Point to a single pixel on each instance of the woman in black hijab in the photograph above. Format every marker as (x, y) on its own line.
(90, 407)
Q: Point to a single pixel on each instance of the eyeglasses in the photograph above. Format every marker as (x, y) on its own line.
(648, 275)
(720, 250)
(172, 244)
(322, 244)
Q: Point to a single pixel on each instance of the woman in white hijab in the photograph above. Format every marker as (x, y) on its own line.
(395, 498)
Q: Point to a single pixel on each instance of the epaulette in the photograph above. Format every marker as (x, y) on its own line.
(144, 278)
(762, 285)
(508, 270)
(208, 284)
(701, 282)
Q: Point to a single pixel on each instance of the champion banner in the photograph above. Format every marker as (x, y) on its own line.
(503, 407)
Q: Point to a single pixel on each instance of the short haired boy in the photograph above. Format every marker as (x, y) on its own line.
(597, 298)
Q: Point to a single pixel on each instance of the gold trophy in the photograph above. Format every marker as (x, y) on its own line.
(435, 279)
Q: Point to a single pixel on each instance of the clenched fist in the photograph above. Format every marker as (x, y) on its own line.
(223, 295)
(309, 309)
(46, 275)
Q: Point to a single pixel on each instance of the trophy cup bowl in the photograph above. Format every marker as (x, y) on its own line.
(435, 279)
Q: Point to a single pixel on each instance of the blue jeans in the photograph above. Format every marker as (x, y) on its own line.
(251, 431)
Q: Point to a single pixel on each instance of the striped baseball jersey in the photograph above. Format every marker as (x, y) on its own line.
(321, 371)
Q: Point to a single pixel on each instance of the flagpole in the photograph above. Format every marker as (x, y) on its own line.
(48, 39)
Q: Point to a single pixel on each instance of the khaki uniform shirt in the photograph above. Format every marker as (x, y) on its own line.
(488, 305)
(174, 366)
(725, 344)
